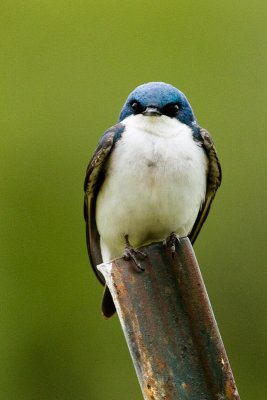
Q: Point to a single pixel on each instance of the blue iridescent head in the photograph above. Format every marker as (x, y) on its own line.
(156, 99)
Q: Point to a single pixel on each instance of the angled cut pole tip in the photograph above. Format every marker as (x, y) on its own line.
(169, 326)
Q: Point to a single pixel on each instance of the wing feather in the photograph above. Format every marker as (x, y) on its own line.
(214, 178)
(95, 175)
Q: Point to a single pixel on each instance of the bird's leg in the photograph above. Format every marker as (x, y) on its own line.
(131, 253)
(170, 242)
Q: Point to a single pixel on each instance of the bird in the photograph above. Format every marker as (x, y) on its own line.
(153, 175)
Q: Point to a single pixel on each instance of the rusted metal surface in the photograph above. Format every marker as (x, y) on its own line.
(169, 326)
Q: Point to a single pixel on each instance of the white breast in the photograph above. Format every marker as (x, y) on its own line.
(155, 184)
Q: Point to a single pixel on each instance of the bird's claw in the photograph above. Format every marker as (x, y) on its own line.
(130, 253)
(171, 241)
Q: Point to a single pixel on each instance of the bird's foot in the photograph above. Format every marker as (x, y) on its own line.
(171, 241)
(130, 253)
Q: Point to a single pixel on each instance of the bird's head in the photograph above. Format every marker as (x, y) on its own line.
(155, 99)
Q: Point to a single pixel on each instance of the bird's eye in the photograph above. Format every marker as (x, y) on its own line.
(136, 107)
(171, 110)
(176, 108)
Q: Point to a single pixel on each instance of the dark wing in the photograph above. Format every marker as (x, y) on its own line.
(95, 175)
(214, 178)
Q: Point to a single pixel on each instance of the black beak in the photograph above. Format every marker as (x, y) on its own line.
(152, 111)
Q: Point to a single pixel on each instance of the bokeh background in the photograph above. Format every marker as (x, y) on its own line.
(66, 68)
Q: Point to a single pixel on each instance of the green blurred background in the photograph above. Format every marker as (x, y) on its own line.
(66, 69)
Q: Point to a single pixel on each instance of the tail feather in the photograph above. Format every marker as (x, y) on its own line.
(108, 307)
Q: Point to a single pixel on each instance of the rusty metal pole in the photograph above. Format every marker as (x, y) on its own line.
(169, 326)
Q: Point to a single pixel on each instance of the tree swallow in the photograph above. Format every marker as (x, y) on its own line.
(153, 174)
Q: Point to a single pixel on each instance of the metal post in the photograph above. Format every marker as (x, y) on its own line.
(169, 326)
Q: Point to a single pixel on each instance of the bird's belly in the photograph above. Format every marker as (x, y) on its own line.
(151, 189)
